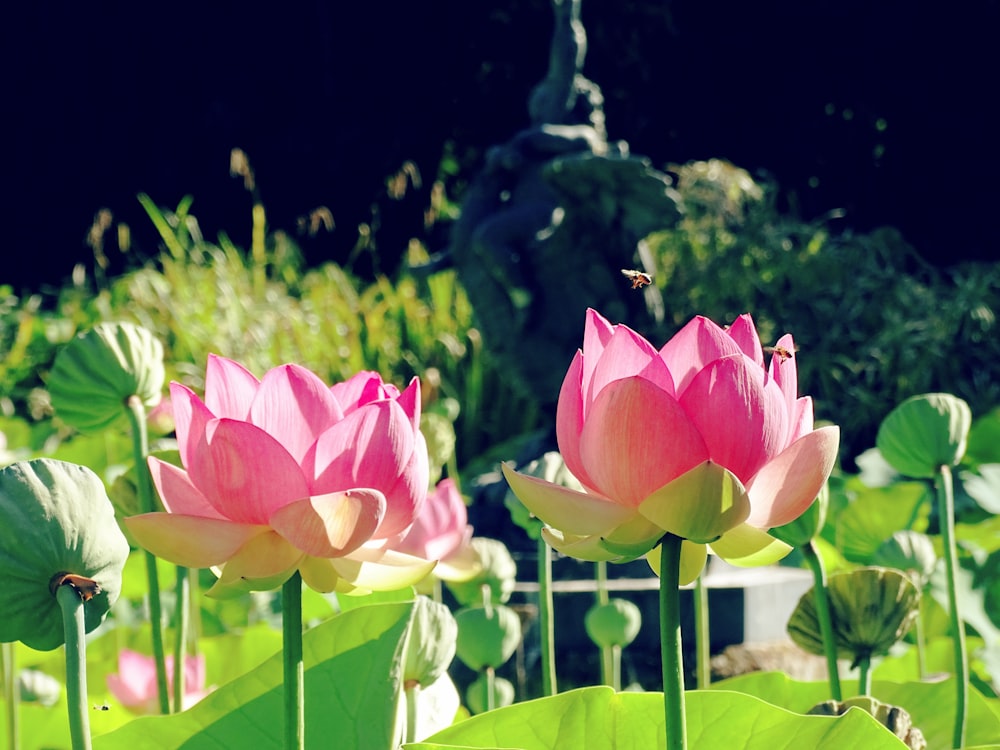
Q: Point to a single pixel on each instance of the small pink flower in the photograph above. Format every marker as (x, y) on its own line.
(134, 686)
(441, 532)
(700, 438)
(285, 474)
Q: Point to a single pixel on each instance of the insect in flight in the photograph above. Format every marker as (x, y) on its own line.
(779, 351)
(639, 279)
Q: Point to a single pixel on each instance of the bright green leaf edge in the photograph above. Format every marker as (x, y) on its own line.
(352, 684)
(600, 719)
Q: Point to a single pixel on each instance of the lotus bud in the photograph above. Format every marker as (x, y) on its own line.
(909, 551)
(431, 645)
(38, 687)
(477, 694)
(487, 637)
(871, 609)
(893, 718)
(58, 530)
(924, 433)
(498, 574)
(616, 623)
(96, 373)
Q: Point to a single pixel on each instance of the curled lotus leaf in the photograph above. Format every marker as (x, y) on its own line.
(893, 718)
(870, 608)
(431, 645)
(478, 693)
(924, 433)
(58, 529)
(99, 370)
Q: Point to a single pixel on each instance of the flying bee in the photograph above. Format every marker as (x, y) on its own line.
(103, 707)
(639, 279)
(87, 588)
(779, 351)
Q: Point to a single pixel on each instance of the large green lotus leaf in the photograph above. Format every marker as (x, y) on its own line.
(924, 433)
(96, 372)
(931, 705)
(876, 513)
(57, 519)
(984, 439)
(602, 719)
(352, 682)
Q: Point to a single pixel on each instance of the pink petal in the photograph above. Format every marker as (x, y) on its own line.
(177, 493)
(409, 402)
(699, 342)
(597, 333)
(362, 388)
(784, 371)
(625, 355)
(244, 472)
(564, 509)
(440, 527)
(229, 388)
(190, 419)
(192, 541)
(294, 406)
(569, 420)
(787, 485)
(802, 419)
(331, 525)
(636, 439)
(374, 446)
(743, 423)
(744, 333)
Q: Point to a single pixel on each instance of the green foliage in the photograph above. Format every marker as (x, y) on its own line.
(874, 324)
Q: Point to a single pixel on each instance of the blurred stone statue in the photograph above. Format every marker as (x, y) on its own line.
(553, 218)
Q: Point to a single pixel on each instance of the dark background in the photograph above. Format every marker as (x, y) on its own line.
(883, 109)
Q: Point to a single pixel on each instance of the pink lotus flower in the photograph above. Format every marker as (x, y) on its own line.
(441, 532)
(699, 439)
(135, 684)
(286, 474)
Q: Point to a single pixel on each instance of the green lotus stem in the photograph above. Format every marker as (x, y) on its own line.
(864, 675)
(75, 632)
(491, 686)
(946, 514)
(815, 562)
(294, 674)
(11, 693)
(671, 656)
(140, 449)
(607, 658)
(546, 624)
(183, 597)
(703, 642)
(616, 667)
(921, 639)
(412, 694)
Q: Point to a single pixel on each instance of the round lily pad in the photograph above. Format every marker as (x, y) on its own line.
(58, 529)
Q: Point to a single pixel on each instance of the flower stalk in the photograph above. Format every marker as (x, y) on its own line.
(546, 623)
(946, 512)
(671, 655)
(815, 563)
(136, 413)
(183, 617)
(607, 657)
(703, 645)
(71, 604)
(294, 669)
(11, 694)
